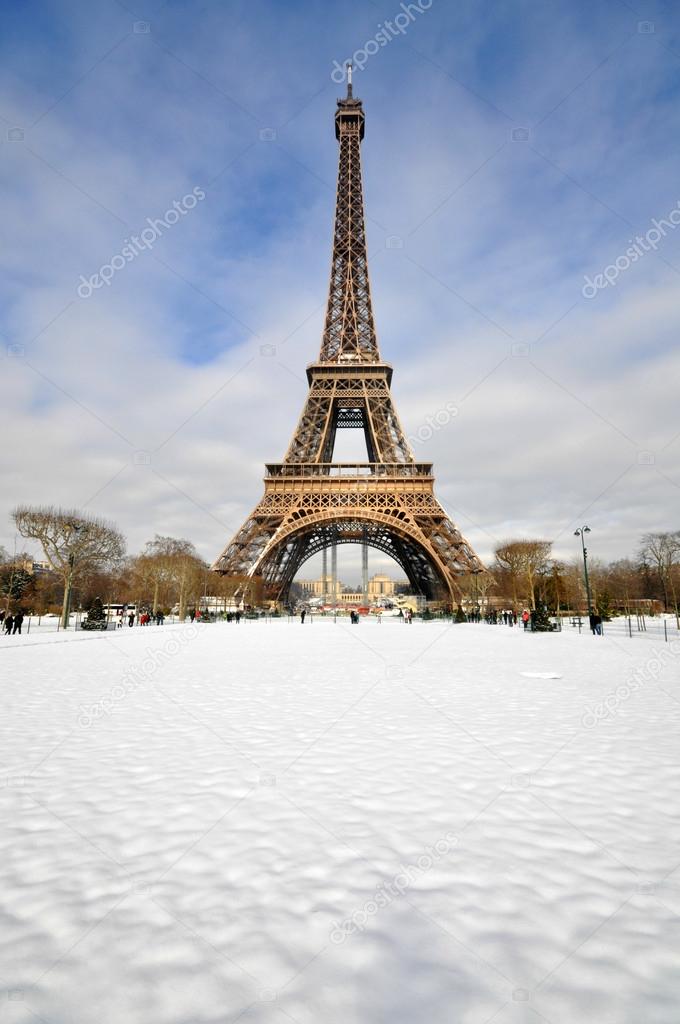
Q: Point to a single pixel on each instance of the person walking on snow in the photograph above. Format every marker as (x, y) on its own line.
(18, 622)
(302, 616)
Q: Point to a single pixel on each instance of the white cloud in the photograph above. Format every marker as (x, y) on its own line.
(173, 355)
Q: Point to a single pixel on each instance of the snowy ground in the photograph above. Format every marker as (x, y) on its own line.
(378, 824)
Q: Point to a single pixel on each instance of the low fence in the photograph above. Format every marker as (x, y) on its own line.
(662, 628)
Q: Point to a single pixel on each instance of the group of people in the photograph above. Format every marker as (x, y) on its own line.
(11, 623)
(509, 617)
(203, 615)
(142, 620)
(354, 616)
(146, 618)
(504, 618)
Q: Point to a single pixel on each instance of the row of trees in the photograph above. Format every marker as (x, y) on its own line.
(525, 574)
(86, 558)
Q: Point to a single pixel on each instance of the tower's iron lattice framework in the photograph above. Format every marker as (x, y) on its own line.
(312, 503)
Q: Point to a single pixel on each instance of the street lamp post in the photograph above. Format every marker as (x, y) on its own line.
(581, 533)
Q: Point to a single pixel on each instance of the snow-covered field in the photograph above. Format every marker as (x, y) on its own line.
(380, 824)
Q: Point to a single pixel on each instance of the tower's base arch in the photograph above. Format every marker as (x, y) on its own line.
(396, 514)
(286, 557)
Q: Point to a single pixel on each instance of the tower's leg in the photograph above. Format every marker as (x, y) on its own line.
(334, 569)
(324, 575)
(364, 568)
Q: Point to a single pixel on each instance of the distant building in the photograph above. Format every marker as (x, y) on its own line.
(32, 567)
(380, 586)
(316, 588)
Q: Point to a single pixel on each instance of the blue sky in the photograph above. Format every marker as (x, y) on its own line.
(566, 406)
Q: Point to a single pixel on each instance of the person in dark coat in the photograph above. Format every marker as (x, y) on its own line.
(18, 622)
(596, 624)
(302, 616)
(9, 622)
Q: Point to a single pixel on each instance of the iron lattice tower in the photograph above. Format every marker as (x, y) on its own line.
(312, 503)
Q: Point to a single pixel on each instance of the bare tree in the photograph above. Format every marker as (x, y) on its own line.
(73, 544)
(171, 568)
(662, 552)
(155, 570)
(474, 587)
(524, 561)
(625, 583)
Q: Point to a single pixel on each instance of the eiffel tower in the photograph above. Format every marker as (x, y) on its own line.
(312, 504)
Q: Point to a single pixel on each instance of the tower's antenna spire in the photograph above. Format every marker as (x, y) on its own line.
(349, 80)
